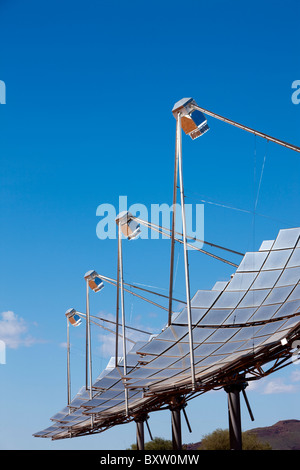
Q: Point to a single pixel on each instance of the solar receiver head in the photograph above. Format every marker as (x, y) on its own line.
(193, 122)
(94, 280)
(73, 317)
(129, 227)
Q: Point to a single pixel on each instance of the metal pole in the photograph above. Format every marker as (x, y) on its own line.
(123, 314)
(86, 340)
(186, 264)
(68, 361)
(88, 343)
(248, 405)
(234, 415)
(117, 309)
(173, 232)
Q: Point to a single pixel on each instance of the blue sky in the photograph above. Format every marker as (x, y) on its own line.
(89, 93)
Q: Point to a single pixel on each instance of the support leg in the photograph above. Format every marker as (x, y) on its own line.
(234, 414)
(140, 436)
(175, 407)
(176, 429)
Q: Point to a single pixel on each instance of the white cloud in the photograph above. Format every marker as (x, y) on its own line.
(278, 386)
(274, 385)
(14, 330)
(295, 375)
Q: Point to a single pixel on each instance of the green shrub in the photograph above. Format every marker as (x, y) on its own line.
(157, 444)
(219, 440)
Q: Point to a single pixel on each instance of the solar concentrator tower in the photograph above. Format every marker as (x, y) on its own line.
(239, 331)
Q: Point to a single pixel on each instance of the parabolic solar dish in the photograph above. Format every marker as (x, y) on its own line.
(238, 326)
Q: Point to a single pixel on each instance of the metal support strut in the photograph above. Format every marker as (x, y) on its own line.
(234, 414)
